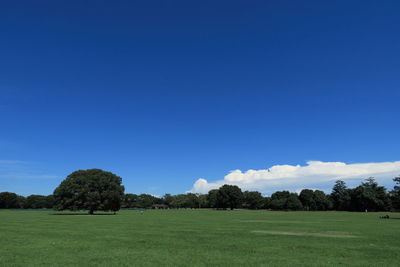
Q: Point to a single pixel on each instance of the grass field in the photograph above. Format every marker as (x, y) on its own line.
(199, 238)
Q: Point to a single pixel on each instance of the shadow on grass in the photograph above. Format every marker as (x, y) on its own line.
(83, 214)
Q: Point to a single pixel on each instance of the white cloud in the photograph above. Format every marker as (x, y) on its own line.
(316, 174)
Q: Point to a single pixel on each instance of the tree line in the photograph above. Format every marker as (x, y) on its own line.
(99, 190)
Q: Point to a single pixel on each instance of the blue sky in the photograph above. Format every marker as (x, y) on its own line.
(163, 93)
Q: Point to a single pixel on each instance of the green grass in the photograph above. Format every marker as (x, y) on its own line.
(199, 238)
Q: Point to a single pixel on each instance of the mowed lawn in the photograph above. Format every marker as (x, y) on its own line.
(199, 238)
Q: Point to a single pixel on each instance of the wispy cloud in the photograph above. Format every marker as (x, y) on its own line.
(12, 162)
(19, 169)
(316, 174)
(27, 176)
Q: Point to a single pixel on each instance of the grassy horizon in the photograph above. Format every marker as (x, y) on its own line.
(199, 238)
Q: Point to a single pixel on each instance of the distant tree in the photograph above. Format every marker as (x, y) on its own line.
(147, 200)
(203, 201)
(322, 201)
(176, 201)
(284, 200)
(167, 199)
(191, 201)
(50, 201)
(129, 201)
(340, 196)
(266, 203)
(9, 200)
(229, 196)
(279, 200)
(397, 186)
(293, 202)
(21, 202)
(212, 198)
(39, 202)
(252, 200)
(307, 199)
(91, 190)
(395, 194)
(369, 196)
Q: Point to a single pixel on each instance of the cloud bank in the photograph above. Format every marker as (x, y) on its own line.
(315, 174)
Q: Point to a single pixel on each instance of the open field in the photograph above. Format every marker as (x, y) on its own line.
(199, 238)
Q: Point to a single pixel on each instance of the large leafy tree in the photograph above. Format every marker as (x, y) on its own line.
(91, 190)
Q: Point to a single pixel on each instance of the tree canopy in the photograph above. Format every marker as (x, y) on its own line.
(91, 190)
(253, 200)
(99, 190)
(284, 200)
(9, 200)
(340, 196)
(395, 194)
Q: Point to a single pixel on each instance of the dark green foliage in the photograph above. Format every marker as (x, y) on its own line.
(212, 198)
(395, 194)
(167, 199)
(147, 201)
(315, 200)
(397, 186)
(203, 201)
(98, 190)
(229, 196)
(266, 202)
(9, 200)
(369, 196)
(189, 200)
(144, 201)
(307, 199)
(130, 201)
(39, 202)
(21, 202)
(284, 200)
(184, 201)
(340, 196)
(92, 190)
(252, 200)
(322, 201)
(293, 202)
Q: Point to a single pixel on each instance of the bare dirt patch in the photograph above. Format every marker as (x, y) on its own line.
(317, 234)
